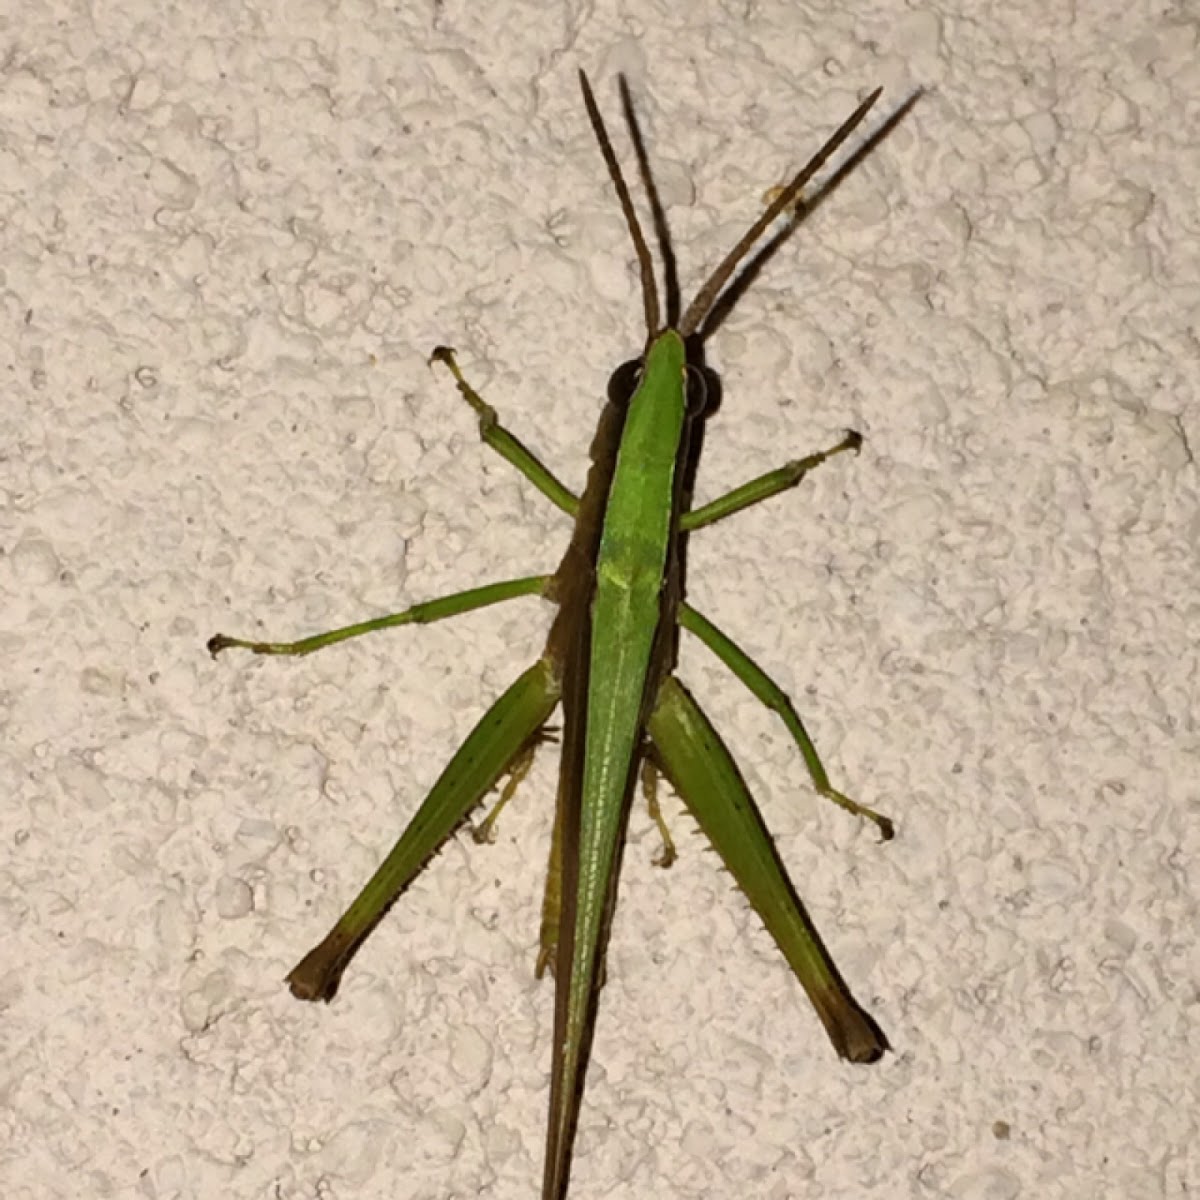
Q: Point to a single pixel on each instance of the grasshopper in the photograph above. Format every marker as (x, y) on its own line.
(610, 661)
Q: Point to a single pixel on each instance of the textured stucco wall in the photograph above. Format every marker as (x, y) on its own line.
(228, 238)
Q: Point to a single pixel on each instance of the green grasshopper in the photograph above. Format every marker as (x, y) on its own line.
(610, 660)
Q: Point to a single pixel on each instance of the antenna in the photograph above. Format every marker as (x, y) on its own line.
(707, 295)
(662, 234)
(645, 262)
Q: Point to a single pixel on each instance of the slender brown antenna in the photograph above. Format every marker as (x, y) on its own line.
(645, 262)
(662, 235)
(750, 267)
(707, 295)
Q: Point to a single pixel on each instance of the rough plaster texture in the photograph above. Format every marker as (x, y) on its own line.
(228, 238)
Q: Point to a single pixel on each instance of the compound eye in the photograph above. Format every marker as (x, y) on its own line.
(623, 382)
(697, 390)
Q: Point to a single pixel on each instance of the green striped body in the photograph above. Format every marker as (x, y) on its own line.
(625, 618)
